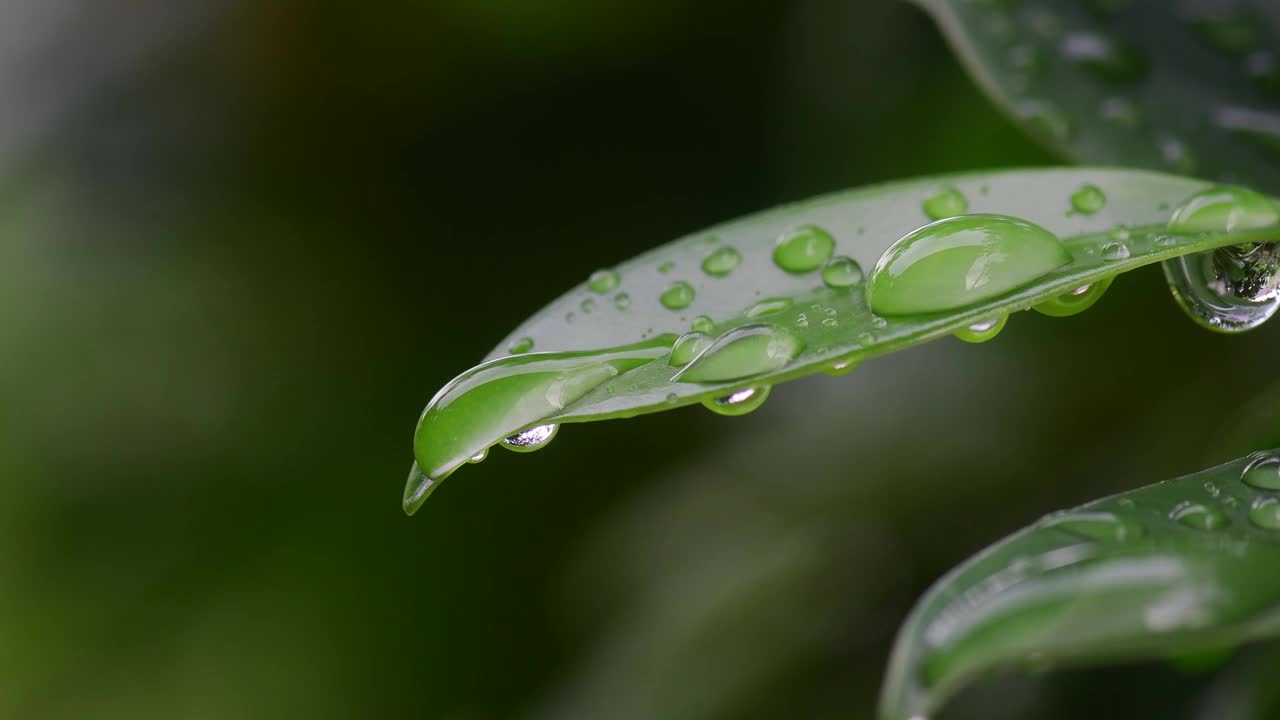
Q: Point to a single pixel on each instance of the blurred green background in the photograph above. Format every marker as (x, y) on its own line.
(243, 244)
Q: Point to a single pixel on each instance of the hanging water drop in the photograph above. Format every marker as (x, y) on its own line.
(961, 261)
(602, 281)
(803, 249)
(843, 367)
(947, 203)
(842, 272)
(739, 402)
(535, 438)
(1076, 301)
(983, 330)
(742, 353)
(721, 262)
(480, 456)
(677, 296)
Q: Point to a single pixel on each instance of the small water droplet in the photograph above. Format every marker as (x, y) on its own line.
(688, 347)
(1096, 525)
(843, 366)
(588, 306)
(677, 296)
(983, 330)
(721, 261)
(961, 261)
(521, 346)
(535, 438)
(946, 203)
(666, 267)
(803, 249)
(1088, 199)
(742, 353)
(842, 272)
(570, 317)
(1200, 517)
(480, 456)
(702, 323)
(622, 301)
(768, 307)
(830, 323)
(1265, 513)
(1105, 57)
(603, 281)
(1263, 472)
(739, 402)
(1115, 250)
(672, 398)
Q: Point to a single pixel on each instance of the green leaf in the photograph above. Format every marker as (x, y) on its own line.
(1184, 87)
(605, 349)
(1177, 569)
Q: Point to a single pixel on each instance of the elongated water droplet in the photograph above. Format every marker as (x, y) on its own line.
(535, 438)
(1104, 56)
(1200, 517)
(947, 203)
(768, 307)
(677, 296)
(521, 346)
(622, 301)
(983, 330)
(1263, 472)
(702, 323)
(688, 347)
(842, 272)
(803, 249)
(1076, 301)
(1088, 199)
(1115, 250)
(1265, 513)
(742, 353)
(739, 402)
(1231, 289)
(602, 281)
(1096, 525)
(721, 262)
(961, 261)
(502, 397)
(843, 367)
(480, 456)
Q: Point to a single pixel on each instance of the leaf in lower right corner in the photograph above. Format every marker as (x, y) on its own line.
(1181, 567)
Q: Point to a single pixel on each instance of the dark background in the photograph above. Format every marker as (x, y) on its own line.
(242, 245)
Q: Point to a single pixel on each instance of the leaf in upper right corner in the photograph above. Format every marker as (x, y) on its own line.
(1189, 87)
(1174, 569)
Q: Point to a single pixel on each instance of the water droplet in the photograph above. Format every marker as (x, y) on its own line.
(830, 323)
(983, 330)
(1231, 289)
(1122, 112)
(535, 438)
(803, 249)
(480, 456)
(742, 353)
(492, 401)
(1045, 119)
(688, 347)
(721, 262)
(1166, 241)
(843, 366)
(672, 398)
(1263, 472)
(602, 281)
(1200, 517)
(961, 261)
(678, 295)
(1076, 301)
(842, 272)
(739, 402)
(666, 267)
(570, 317)
(622, 301)
(1115, 250)
(521, 346)
(702, 323)
(1100, 526)
(947, 203)
(1105, 57)
(768, 307)
(1088, 199)
(588, 306)
(1177, 155)
(1265, 513)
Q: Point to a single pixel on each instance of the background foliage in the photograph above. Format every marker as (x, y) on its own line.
(234, 269)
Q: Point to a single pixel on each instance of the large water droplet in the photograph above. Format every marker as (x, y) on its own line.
(768, 307)
(982, 330)
(1105, 57)
(1076, 301)
(1096, 525)
(721, 262)
(602, 281)
(1265, 513)
(739, 402)
(961, 261)
(742, 353)
(947, 203)
(688, 347)
(841, 272)
(520, 346)
(1199, 516)
(1088, 200)
(803, 249)
(677, 296)
(1263, 472)
(535, 438)
(1230, 289)
(493, 401)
